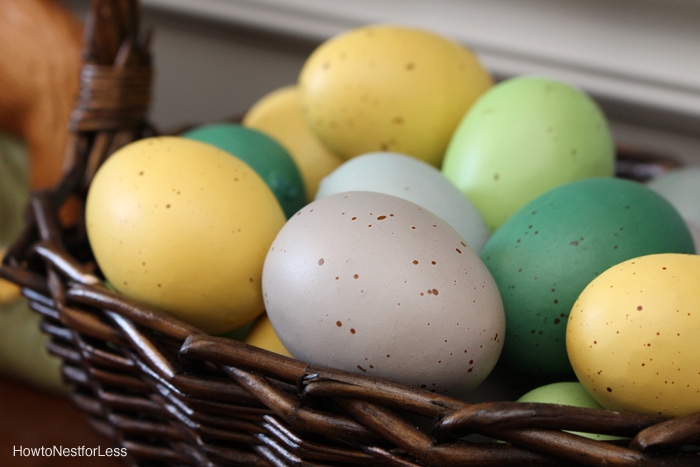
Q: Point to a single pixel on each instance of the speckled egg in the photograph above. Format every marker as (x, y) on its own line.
(375, 284)
(267, 157)
(633, 335)
(412, 179)
(549, 250)
(389, 88)
(183, 226)
(523, 137)
(278, 114)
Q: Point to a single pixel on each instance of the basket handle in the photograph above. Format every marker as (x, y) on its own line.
(115, 87)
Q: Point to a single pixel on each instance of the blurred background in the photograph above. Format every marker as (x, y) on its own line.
(638, 58)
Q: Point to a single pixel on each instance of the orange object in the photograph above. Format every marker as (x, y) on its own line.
(39, 71)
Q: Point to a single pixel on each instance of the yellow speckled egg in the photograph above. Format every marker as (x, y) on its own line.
(632, 335)
(389, 88)
(278, 114)
(183, 226)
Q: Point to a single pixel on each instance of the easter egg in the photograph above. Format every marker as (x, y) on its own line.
(279, 115)
(263, 335)
(414, 180)
(389, 88)
(523, 137)
(374, 284)
(544, 255)
(633, 333)
(263, 154)
(571, 393)
(184, 227)
(681, 187)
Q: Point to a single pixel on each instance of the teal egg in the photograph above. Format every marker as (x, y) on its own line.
(523, 137)
(546, 253)
(263, 154)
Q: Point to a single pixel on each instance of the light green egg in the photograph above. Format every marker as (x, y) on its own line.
(570, 393)
(523, 137)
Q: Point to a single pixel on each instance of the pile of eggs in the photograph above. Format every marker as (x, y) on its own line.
(398, 214)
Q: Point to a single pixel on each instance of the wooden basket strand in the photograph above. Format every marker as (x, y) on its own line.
(172, 395)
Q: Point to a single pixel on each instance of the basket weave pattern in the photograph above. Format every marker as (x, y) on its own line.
(171, 394)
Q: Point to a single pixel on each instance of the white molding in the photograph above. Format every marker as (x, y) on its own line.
(642, 53)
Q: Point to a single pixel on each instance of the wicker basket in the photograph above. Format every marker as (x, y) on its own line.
(170, 394)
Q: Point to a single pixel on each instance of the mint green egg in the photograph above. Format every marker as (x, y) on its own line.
(263, 154)
(524, 136)
(546, 253)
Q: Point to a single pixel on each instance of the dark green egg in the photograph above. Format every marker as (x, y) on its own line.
(545, 254)
(263, 154)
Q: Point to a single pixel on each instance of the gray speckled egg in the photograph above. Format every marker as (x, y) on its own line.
(375, 284)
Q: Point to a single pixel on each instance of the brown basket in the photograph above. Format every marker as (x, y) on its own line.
(170, 394)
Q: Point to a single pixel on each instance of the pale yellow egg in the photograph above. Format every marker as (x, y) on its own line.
(183, 226)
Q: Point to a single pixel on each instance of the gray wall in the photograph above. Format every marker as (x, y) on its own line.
(208, 70)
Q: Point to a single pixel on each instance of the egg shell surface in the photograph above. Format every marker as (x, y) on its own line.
(633, 335)
(377, 285)
(183, 226)
(278, 114)
(263, 154)
(389, 88)
(547, 252)
(681, 187)
(571, 393)
(414, 180)
(263, 335)
(523, 137)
